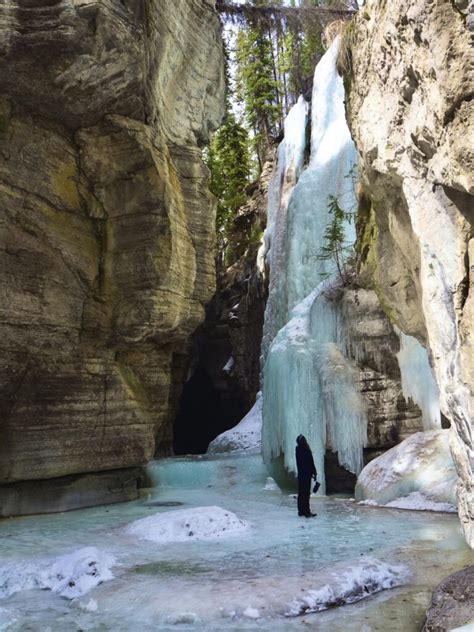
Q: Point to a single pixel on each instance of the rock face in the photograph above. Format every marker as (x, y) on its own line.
(452, 605)
(373, 344)
(410, 86)
(226, 360)
(107, 226)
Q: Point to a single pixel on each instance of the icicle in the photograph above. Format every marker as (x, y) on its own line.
(418, 382)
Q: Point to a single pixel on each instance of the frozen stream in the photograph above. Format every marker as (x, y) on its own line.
(225, 584)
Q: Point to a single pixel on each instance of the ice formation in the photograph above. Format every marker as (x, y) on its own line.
(309, 385)
(245, 437)
(271, 485)
(70, 576)
(416, 472)
(184, 525)
(359, 581)
(291, 154)
(418, 382)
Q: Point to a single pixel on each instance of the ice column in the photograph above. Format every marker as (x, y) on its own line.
(291, 154)
(418, 382)
(309, 385)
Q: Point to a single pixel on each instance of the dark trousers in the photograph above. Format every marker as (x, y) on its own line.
(304, 491)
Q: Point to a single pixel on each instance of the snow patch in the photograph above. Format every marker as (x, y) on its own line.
(185, 525)
(415, 501)
(245, 437)
(368, 503)
(71, 576)
(418, 501)
(251, 613)
(351, 585)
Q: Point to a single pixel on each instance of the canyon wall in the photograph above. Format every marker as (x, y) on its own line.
(107, 233)
(409, 81)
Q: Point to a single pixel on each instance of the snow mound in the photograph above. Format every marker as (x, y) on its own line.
(357, 582)
(422, 464)
(245, 437)
(71, 575)
(183, 525)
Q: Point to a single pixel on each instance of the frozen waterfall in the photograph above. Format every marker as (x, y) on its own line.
(309, 385)
(418, 382)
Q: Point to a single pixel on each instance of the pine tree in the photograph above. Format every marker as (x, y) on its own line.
(258, 83)
(228, 160)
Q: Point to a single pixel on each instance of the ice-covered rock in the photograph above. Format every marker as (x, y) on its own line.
(271, 485)
(416, 472)
(70, 576)
(355, 583)
(184, 525)
(245, 437)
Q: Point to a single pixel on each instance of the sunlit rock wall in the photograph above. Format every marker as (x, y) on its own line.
(106, 224)
(409, 83)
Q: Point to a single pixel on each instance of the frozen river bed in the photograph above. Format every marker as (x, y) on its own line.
(209, 548)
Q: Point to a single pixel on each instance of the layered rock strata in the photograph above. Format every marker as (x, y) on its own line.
(107, 226)
(409, 83)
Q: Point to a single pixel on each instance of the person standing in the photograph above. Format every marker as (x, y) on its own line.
(306, 471)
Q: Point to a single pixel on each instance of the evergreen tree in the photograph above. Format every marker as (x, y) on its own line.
(258, 83)
(228, 160)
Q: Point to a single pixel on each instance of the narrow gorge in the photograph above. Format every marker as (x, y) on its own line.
(227, 224)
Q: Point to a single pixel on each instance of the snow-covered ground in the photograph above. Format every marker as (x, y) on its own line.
(245, 437)
(418, 473)
(92, 569)
(185, 525)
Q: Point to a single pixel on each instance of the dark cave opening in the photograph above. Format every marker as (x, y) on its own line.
(204, 413)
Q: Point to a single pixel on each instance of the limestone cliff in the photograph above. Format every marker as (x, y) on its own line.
(107, 226)
(409, 83)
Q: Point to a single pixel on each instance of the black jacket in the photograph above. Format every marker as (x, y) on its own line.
(305, 462)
